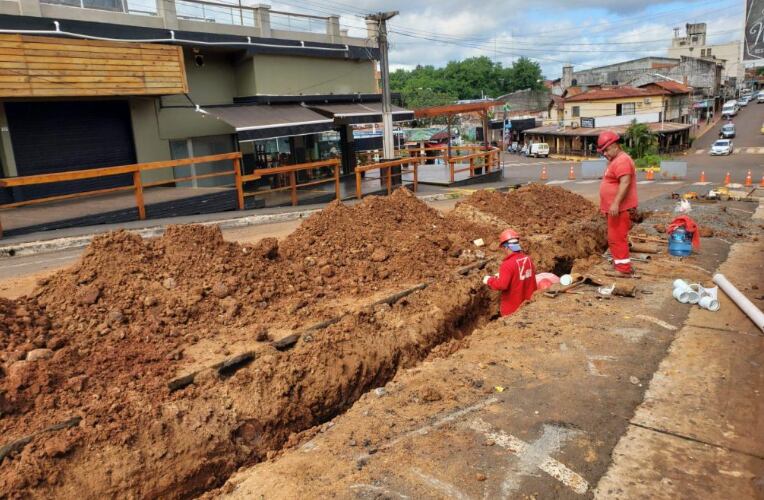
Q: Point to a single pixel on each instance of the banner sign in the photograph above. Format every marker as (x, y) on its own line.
(587, 122)
(754, 30)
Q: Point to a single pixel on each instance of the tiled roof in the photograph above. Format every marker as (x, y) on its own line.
(673, 87)
(665, 127)
(616, 93)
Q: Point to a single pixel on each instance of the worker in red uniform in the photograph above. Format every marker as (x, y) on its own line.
(517, 274)
(618, 199)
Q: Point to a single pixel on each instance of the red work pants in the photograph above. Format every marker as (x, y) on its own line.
(618, 240)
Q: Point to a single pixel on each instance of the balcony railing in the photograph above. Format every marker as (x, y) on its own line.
(141, 7)
(215, 12)
(287, 21)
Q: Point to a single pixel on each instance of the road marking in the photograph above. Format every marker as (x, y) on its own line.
(669, 183)
(738, 150)
(557, 182)
(645, 182)
(587, 182)
(38, 262)
(700, 151)
(449, 490)
(701, 183)
(534, 455)
(592, 368)
(657, 321)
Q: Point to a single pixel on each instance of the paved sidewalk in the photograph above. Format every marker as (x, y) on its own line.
(699, 432)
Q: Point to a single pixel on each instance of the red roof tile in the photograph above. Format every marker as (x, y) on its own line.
(616, 93)
(673, 87)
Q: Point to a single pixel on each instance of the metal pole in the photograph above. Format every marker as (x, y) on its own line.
(388, 146)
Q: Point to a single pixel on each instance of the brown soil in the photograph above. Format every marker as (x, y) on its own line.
(101, 339)
(556, 225)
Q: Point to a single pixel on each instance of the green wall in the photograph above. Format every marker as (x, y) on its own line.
(148, 145)
(293, 75)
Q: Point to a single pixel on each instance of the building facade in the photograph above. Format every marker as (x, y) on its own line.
(96, 83)
(694, 44)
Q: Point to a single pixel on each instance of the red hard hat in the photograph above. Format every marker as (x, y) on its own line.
(605, 139)
(508, 234)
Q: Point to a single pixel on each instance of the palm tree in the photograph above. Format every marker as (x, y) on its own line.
(639, 139)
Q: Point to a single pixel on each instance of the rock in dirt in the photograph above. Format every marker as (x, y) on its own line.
(89, 295)
(220, 290)
(169, 283)
(327, 271)
(430, 394)
(38, 354)
(379, 255)
(261, 335)
(480, 476)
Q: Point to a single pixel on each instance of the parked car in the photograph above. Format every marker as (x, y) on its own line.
(722, 147)
(539, 150)
(760, 97)
(727, 131)
(743, 101)
(730, 109)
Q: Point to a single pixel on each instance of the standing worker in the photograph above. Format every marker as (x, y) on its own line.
(618, 198)
(517, 274)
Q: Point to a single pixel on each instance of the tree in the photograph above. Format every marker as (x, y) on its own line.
(525, 74)
(639, 139)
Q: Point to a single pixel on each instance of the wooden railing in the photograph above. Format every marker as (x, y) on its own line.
(489, 159)
(137, 186)
(388, 166)
(291, 172)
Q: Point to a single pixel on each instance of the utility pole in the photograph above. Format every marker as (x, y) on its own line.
(388, 147)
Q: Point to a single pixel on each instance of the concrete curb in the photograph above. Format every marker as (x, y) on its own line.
(58, 244)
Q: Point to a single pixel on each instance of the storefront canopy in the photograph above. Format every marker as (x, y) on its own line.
(355, 113)
(262, 121)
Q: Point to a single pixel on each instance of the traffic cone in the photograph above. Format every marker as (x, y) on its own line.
(702, 176)
(727, 179)
(544, 175)
(748, 179)
(572, 173)
(761, 184)
(650, 175)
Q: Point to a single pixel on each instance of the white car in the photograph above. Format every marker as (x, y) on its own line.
(743, 101)
(538, 150)
(722, 147)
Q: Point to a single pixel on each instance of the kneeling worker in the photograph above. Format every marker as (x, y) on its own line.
(517, 274)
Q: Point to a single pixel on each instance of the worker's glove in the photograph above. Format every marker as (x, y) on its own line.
(485, 279)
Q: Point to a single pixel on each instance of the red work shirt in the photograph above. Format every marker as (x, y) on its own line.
(516, 280)
(619, 166)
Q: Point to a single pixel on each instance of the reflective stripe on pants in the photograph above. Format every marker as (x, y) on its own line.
(618, 240)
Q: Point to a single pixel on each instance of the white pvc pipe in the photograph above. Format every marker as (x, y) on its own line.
(741, 300)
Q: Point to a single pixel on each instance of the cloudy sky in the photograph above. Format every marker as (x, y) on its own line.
(585, 33)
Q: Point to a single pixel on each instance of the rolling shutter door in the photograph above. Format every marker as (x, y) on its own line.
(57, 136)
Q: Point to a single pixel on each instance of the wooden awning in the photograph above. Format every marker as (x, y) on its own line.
(455, 109)
(38, 66)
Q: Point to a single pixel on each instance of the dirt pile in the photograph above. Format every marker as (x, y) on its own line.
(398, 238)
(535, 208)
(556, 225)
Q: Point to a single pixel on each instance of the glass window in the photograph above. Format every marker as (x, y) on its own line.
(576, 111)
(627, 108)
(202, 146)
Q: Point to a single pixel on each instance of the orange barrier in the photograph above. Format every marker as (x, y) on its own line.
(571, 173)
(413, 165)
(650, 175)
(137, 186)
(702, 176)
(291, 171)
(748, 179)
(544, 175)
(761, 184)
(727, 179)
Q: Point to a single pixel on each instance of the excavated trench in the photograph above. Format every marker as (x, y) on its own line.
(187, 441)
(323, 375)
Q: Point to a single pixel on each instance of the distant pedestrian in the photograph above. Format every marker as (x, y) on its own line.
(618, 199)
